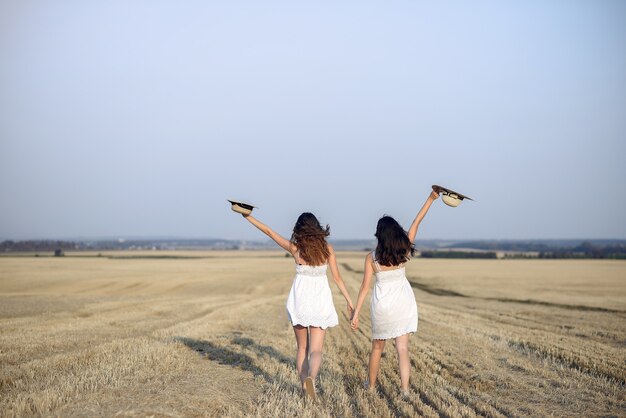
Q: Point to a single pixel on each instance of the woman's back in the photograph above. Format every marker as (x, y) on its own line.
(310, 300)
(392, 275)
(314, 271)
(306, 269)
(387, 273)
(393, 307)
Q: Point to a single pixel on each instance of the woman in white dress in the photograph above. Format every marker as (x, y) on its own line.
(393, 307)
(310, 303)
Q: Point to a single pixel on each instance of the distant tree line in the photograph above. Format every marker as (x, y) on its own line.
(458, 254)
(521, 246)
(587, 250)
(545, 245)
(130, 244)
(38, 245)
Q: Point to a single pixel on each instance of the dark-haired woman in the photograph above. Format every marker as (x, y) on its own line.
(310, 304)
(393, 307)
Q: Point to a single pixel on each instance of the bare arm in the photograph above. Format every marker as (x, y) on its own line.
(283, 242)
(365, 287)
(332, 261)
(420, 215)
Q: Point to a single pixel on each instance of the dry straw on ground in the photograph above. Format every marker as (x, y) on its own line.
(207, 335)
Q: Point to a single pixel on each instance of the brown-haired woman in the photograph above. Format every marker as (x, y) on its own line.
(310, 303)
(393, 307)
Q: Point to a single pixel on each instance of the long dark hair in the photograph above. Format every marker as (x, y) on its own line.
(394, 246)
(310, 238)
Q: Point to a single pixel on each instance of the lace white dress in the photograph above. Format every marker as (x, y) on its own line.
(393, 309)
(310, 301)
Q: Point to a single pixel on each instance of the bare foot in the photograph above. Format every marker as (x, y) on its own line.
(309, 387)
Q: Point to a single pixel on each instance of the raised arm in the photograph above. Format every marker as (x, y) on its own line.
(420, 215)
(368, 271)
(332, 261)
(283, 242)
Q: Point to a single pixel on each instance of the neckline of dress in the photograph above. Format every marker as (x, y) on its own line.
(309, 265)
(383, 271)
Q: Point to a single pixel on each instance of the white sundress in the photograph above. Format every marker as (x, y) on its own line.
(310, 301)
(393, 309)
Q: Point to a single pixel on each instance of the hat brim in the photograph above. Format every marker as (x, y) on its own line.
(240, 207)
(445, 191)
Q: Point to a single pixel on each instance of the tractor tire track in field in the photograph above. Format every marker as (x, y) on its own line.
(415, 283)
(94, 341)
(540, 352)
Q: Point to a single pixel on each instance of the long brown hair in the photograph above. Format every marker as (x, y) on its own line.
(310, 239)
(394, 246)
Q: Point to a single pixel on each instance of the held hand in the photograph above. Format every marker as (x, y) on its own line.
(354, 324)
(434, 195)
(350, 309)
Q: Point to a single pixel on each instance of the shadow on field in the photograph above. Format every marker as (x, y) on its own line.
(263, 350)
(351, 269)
(434, 290)
(230, 357)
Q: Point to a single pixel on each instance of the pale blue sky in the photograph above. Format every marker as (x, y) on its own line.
(140, 118)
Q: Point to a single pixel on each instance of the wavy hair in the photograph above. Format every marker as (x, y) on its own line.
(394, 246)
(310, 239)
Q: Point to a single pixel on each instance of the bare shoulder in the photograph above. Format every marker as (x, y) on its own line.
(331, 249)
(369, 261)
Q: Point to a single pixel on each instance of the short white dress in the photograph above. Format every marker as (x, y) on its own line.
(310, 301)
(393, 309)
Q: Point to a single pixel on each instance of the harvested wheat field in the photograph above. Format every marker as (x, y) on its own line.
(206, 334)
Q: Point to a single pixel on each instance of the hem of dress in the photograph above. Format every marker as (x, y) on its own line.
(393, 335)
(306, 325)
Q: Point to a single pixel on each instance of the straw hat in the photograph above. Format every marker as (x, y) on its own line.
(450, 197)
(240, 207)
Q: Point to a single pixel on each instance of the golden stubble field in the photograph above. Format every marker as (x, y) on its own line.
(206, 334)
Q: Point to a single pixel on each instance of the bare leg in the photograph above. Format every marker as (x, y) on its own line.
(315, 355)
(378, 346)
(402, 347)
(302, 362)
